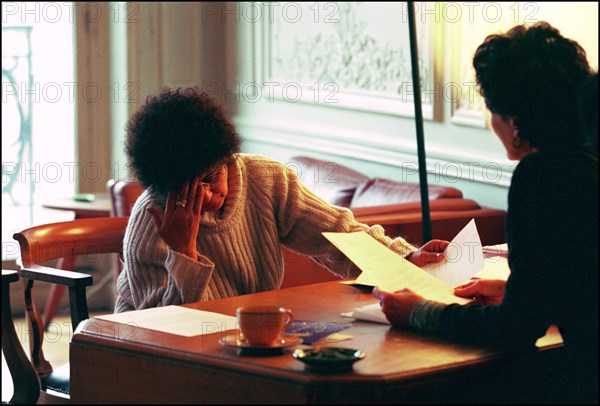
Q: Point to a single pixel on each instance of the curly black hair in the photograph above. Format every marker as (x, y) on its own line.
(176, 136)
(532, 73)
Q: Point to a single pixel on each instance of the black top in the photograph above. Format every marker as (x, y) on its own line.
(552, 236)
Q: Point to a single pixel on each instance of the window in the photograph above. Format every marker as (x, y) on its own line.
(38, 114)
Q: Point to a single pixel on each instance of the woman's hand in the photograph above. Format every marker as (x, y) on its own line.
(397, 306)
(485, 291)
(180, 224)
(428, 253)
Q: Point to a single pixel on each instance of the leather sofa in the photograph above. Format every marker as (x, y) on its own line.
(394, 205)
(342, 186)
(397, 205)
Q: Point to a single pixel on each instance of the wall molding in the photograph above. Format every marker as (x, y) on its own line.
(465, 165)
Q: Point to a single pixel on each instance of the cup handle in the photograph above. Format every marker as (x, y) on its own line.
(289, 316)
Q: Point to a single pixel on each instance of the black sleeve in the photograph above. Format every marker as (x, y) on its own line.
(540, 238)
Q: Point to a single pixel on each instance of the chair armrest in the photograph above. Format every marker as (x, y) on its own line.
(26, 384)
(9, 276)
(75, 281)
(57, 276)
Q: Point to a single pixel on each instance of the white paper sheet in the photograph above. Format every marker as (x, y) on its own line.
(177, 320)
(494, 268)
(463, 257)
(370, 312)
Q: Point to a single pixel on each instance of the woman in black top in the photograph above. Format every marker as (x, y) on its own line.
(529, 78)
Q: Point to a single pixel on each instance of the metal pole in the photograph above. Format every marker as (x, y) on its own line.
(414, 56)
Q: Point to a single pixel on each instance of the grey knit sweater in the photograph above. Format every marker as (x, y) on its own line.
(238, 247)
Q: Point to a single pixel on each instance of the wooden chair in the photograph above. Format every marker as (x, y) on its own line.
(122, 194)
(25, 381)
(48, 242)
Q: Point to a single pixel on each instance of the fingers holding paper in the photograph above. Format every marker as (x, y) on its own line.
(484, 291)
(397, 306)
(431, 252)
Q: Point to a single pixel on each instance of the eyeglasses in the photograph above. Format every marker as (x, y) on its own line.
(214, 177)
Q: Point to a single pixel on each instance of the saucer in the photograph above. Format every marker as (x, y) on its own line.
(234, 340)
(329, 359)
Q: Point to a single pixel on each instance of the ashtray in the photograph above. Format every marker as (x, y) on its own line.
(329, 359)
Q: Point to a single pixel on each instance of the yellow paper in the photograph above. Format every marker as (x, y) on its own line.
(384, 268)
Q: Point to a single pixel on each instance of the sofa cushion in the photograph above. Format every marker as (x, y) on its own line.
(379, 192)
(332, 182)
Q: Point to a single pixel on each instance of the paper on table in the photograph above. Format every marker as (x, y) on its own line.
(177, 320)
(494, 268)
(370, 312)
(382, 267)
(462, 258)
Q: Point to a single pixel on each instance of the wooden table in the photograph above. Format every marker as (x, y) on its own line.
(112, 362)
(100, 207)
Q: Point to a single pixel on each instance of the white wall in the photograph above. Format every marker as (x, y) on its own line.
(219, 46)
(468, 157)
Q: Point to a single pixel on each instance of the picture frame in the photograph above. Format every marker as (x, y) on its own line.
(334, 54)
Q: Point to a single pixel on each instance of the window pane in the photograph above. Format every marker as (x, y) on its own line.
(38, 112)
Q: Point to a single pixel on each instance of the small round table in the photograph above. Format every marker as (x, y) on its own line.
(100, 207)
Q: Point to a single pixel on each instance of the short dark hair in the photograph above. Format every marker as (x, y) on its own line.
(532, 73)
(177, 135)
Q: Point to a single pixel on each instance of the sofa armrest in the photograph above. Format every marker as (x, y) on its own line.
(445, 224)
(445, 204)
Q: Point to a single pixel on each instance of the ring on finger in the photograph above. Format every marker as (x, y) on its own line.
(181, 202)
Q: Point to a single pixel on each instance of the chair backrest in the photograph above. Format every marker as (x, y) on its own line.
(123, 194)
(43, 243)
(47, 242)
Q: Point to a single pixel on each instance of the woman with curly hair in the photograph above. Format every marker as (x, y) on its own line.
(530, 78)
(211, 221)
